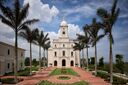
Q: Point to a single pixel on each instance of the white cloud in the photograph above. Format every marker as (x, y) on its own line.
(87, 10)
(73, 30)
(41, 11)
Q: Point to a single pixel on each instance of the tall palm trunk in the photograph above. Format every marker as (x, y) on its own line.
(79, 58)
(44, 58)
(87, 58)
(30, 58)
(95, 60)
(111, 61)
(47, 57)
(16, 57)
(40, 58)
(82, 58)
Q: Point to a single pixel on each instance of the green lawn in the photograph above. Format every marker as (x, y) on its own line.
(77, 83)
(59, 71)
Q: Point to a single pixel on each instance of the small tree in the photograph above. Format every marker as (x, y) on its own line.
(92, 60)
(34, 62)
(101, 62)
(27, 61)
(120, 62)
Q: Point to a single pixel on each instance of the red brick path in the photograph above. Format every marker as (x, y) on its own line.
(44, 75)
(87, 76)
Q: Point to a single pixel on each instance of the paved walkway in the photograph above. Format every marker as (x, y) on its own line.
(87, 76)
(35, 79)
(44, 75)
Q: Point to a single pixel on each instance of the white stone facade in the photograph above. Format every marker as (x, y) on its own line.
(61, 53)
(7, 54)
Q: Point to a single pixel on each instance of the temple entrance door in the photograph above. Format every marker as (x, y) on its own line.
(72, 63)
(55, 63)
(63, 62)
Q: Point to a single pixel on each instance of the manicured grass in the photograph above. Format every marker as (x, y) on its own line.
(59, 71)
(77, 83)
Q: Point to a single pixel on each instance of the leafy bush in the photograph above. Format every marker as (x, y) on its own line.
(103, 75)
(25, 72)
(116, 80)
(119, 81)
(9, 80)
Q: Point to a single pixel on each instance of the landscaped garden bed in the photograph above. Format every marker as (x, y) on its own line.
(25, 72)
(64, 78)
(116, 80)
(61, 71)
(9, 80)
(77, 83)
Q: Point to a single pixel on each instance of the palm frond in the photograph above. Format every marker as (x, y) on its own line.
(23, 13)
(7, 12)
(102, 13)
(16, 10)
(23, 35)
(114, 7)
(7, 22)
(28, 22)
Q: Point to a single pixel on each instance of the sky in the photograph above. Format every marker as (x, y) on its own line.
(77, 13)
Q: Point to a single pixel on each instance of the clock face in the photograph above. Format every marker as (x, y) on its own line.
(63, 32)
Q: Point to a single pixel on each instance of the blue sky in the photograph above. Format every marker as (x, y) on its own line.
(77, 13)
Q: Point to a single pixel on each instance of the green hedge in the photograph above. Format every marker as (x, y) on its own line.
(116, 80)
(9, 80)
(25, 72)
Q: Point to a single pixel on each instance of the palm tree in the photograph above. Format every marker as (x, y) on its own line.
(30, 36)
(93, 32)
(108, 21)
(46, 46)
(79, 46)
(41, 40)
(85, 40)
(2, 2)
(15, 17)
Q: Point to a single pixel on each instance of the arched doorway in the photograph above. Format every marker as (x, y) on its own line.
(63, 62)
(72, 63)
(55, 63)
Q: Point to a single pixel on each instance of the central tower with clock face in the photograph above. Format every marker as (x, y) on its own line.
(61, 53)
(63, 29)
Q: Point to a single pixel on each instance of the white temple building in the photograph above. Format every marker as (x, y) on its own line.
(61, 53)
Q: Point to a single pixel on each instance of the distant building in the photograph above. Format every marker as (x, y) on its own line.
(7, 53)
(61, 53)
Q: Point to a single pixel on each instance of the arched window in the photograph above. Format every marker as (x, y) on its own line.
(55, 54)
(63, 53)
(63, 45)
(71, 53)
(72, 45)
(8, 51)
(55, 45)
